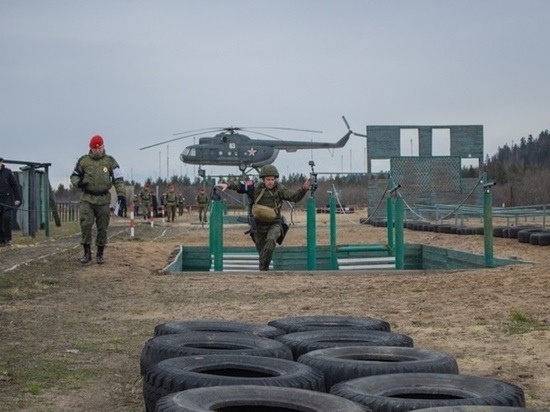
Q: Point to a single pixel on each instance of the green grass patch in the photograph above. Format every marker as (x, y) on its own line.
(520, 322)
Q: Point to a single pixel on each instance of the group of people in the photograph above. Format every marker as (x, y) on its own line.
(96, 172)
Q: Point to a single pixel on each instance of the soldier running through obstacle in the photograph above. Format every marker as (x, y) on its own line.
(267, 200)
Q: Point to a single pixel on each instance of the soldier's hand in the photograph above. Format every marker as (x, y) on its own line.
(222, 186)
(82, 184)
(307, 184)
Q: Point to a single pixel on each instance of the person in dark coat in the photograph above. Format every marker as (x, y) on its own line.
(10, 197)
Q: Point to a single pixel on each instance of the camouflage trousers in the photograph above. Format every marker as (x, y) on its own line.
(265, 239)
(171, 212)
(90, 214)
(202, 213)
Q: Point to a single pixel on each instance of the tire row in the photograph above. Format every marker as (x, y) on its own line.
(308, 363)
(534, 235)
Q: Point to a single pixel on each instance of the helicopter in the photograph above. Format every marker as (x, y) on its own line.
(230, 147)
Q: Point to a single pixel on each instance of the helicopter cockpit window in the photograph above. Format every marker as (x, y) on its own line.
(190, 151)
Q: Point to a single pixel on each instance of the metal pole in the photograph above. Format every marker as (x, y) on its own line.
(333, 246)
(216, 235)
(399, 237)
(488, 222)
(389, 226)
(311, 235)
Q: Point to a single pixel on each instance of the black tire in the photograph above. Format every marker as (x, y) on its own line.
(544, 239)
(204, 343)
(524, 235)
(513, 230)
(344, 364)
(407, 391)
(179, 374)
(478, 408)
(497, 231)
(257, 329)
(304, 342)
(248, 398)
(304, 323)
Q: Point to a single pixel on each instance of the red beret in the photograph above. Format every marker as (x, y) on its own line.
(171, 187)
(96, 141)
(202, 189)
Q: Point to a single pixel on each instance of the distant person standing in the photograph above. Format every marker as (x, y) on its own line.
(171, 203)
(9, 197)
(95, 173)
(146, 200)
(181, 203)
(202, 202)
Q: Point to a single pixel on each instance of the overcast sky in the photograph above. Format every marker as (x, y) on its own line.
(139, 71)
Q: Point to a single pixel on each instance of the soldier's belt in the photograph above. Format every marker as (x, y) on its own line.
(93, 192)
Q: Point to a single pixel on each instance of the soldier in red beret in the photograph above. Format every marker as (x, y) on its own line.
(202, 202)
(171, 203)
(94, 174)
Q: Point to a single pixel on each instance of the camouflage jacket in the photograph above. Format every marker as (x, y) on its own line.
(272, 198)
(96, 175)
(171, 198)
(145, 197)
(201, 199)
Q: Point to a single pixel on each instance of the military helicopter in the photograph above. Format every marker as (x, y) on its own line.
(230, 147)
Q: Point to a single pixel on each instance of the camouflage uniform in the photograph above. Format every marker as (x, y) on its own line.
(181, 204)
(171, 202)
(202, 202)
(266, 233)
(146, 200)
(95, 175)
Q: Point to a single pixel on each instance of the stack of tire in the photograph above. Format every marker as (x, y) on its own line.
(534, 235)
(308, 363)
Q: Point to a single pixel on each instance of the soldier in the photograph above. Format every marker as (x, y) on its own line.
(146, 200)
(181, 203)
(171, 203)
(267, 201)
(95, 173)
(202, 202)
(9, 197)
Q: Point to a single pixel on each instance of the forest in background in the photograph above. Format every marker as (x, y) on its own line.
(521, 172)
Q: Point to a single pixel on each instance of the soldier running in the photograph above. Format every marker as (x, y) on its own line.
(267, 199)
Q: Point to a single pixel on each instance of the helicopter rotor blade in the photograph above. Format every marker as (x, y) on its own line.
(279, 128)
(346, 122)
(351, 131)
(167, 141)
(205, 130)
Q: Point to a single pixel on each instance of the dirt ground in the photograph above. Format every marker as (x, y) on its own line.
(71, 335)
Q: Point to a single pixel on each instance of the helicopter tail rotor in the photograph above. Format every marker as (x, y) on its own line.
(349, 129)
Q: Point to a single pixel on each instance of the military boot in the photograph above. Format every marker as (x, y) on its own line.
(87, 254)
(99, 255)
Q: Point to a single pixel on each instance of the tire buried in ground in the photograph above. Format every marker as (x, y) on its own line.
(303, 342)
(478, 408)
(305, 323)
(256, 329)
(407, 391)
(179, 374)
(347, 363)
(163, 347)
(248, 398)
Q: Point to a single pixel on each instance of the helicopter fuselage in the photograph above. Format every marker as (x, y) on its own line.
(235, 149)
